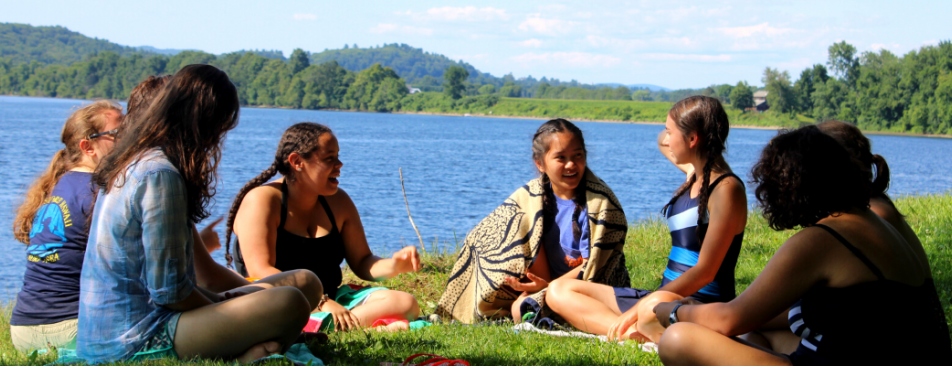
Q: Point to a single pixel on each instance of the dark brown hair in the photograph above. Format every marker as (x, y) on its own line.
(301, 138)
(706, 117)
(540, 146)
(187, 120)
(144, 93)
(804, 175)
(83, 122)
(858, 145)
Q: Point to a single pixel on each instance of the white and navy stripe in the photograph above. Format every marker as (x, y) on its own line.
(808, 338)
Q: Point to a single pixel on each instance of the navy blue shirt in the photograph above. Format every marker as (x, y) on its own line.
(50, 292)
(563, 251)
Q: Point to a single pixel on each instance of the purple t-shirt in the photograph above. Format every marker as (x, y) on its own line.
(563, 251)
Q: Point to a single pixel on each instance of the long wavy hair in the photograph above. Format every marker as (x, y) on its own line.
(301, 138)
(144, 93)
(187, 120)
(706, 117)
(540, 146)
(83, 122)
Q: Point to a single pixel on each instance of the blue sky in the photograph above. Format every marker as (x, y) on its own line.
(668, 43)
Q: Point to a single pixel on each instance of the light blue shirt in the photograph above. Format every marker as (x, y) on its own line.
(139, 257)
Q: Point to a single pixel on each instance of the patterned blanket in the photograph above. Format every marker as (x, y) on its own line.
(506, 242)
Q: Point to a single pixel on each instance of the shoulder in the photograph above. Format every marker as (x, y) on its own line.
(729, 189)
(341, 204)
(263, 197)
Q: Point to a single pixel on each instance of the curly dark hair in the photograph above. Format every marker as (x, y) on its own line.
(804, 175)
(301, 138)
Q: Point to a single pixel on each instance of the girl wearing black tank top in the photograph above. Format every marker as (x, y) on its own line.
(850, 280)
(304, 221)
(694, 140)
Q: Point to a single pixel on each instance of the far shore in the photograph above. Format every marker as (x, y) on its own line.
(750, 127)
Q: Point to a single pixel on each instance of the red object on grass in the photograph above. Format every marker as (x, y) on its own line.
(388, 321)
(434, 360)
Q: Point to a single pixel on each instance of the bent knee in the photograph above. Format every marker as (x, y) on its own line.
(675, 341)
(406, 302)
(559, 292)
(288, 300)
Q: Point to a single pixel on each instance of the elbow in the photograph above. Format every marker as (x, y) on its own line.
(730, 323)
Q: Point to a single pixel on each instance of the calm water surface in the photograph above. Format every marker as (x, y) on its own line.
(456, 169)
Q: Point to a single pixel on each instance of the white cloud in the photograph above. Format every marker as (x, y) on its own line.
(686, 57)
(453, 14)
(402, 29)
(796, 65)
(933, 42)
(677, 14)
(762, 29)
(573, 59)
(615, 43)
(534, 43)
(302, 16)
(534, 23)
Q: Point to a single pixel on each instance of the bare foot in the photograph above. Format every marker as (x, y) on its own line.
(259, 351)
(394, 327)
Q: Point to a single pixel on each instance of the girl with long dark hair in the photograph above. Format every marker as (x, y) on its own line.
(139, 298)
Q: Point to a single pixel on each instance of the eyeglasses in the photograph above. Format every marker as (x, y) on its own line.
(104, 133)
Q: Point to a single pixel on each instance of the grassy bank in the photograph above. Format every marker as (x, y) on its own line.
(586, 110)
(647, 248)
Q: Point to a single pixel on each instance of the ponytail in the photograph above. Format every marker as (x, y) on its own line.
(81, 123)
(254, 183)
(881, 182)
(37, 194)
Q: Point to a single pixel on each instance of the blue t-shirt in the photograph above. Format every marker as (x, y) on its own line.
(50, 291)
(563, 251)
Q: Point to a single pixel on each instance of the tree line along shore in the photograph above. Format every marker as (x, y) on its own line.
(877, 91)
(646, 249)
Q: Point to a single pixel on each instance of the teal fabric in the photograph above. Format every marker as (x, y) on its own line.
(348, 298)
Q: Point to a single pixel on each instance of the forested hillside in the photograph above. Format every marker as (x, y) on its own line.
(23, 43)
(878, 91)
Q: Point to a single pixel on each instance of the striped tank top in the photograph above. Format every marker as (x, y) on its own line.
(682, 217)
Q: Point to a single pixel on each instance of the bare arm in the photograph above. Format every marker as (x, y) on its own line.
(256, 223)
(361, 260)
(194, 300)
(728, 216)
(796, 267)
(209, 274)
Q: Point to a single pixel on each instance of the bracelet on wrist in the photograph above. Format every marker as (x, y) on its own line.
(320, 304)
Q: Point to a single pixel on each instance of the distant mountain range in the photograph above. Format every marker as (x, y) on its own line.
(650, 87)
(23, 43)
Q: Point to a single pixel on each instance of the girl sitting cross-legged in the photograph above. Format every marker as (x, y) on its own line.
(706, 218)
(565, 224)
(304, 221)
(138, 294)
(857, 291)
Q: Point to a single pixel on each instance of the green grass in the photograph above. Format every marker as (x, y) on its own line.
(647, 247)
(601, 110)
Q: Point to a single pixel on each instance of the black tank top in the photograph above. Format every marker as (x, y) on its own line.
(322, 255)
(868, 323)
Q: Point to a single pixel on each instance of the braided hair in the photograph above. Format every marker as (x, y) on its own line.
(300, 138)
(706, 117)
(540, 146)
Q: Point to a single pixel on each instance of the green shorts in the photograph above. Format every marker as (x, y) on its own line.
(349, 299)
(160, 345)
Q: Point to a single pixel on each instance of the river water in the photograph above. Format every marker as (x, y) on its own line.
(456, 169)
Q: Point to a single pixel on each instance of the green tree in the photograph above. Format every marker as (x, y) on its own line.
(299, 61)
(806, 85)
(780, 95)
(741, 96)
(453, 79)
(641, 95)
(487, 89)
(843, 61)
